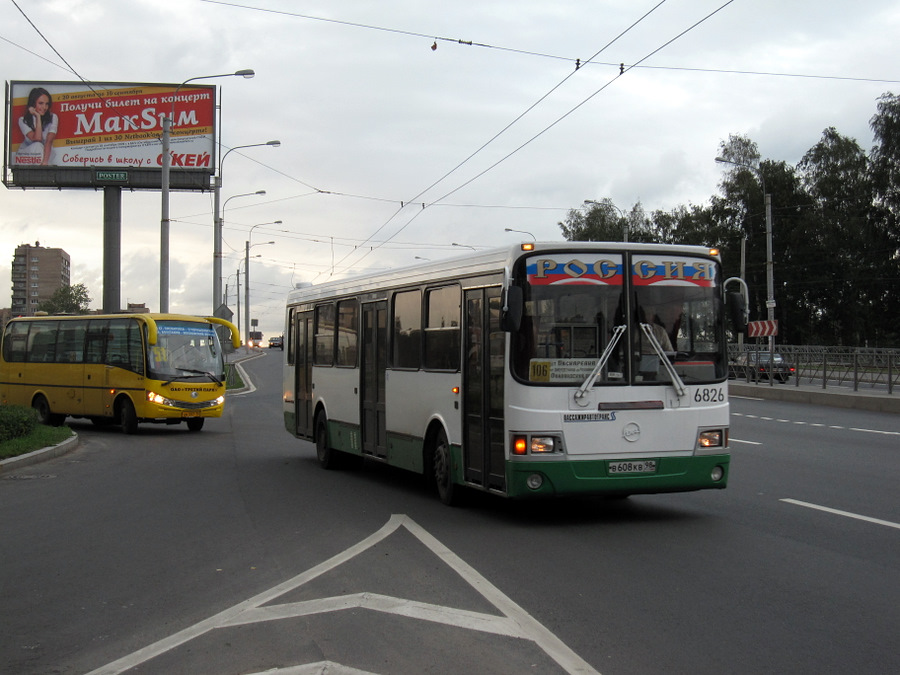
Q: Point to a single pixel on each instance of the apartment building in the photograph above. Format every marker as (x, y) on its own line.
(37, 273)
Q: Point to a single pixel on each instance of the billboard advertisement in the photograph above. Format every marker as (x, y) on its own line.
(80, 134)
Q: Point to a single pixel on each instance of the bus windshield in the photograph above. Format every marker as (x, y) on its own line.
(185, 350)
(659, 324)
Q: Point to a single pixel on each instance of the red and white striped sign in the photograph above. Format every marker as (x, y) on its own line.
(762, 328)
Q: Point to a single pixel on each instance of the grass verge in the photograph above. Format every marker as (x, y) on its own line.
(41, 437)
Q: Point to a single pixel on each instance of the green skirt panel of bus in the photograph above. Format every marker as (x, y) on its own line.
(612, 477)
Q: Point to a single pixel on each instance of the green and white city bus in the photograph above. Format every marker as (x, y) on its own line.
(564, 368)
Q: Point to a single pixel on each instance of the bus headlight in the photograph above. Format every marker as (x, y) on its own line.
(535, 445)
(543, 444)
(712, 438)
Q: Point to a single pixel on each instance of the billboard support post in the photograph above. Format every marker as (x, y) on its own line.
(112, 248)
(164, 221)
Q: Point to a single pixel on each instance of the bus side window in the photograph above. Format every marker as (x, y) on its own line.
(70, 343)
(442, 328)
(323, 347)
(407, 330)
(95, 345)
(14, 342)
(42, 341)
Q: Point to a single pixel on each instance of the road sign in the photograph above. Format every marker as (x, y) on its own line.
(762, 328)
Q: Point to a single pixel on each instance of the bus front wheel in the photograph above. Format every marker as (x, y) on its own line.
(443, 475)
(128, 417)
(195, 424)
(45, 415)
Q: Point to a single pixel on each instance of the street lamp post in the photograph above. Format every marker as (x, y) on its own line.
(247, 247)
(164, 180)
(221, 224)
(219, 217)
(770, 265)
(509, 229)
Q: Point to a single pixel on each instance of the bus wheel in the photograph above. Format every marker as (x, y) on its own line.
(328, 457)
(44, 414)
(195, 424)
(128, 417)
(443, 476)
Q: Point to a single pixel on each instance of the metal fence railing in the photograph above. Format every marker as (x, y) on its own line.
(863, 369)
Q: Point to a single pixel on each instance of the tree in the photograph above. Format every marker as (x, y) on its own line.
(841, 257)
(67, 300)
(604, 221)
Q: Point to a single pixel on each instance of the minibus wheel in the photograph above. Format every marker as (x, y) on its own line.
(128, 416)
(47, 417)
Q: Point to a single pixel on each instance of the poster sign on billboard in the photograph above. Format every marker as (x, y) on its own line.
(102, 129)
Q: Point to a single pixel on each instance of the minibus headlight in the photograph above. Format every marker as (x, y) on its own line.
(159, 399)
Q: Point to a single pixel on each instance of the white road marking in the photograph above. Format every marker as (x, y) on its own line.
(515, 622)
(847, 514)
(819, 425)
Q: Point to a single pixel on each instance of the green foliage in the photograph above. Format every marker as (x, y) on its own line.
(41, 437)
(16, 421)
(67, 300)
(835, 231)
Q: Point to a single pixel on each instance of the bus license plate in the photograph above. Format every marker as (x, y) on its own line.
(190, 413)
(638, 466)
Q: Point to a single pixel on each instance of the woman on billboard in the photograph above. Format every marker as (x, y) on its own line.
(39, 126)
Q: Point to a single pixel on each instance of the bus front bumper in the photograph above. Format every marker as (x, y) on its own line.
(593, 477)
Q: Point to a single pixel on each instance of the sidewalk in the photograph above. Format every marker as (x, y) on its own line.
(838, 397)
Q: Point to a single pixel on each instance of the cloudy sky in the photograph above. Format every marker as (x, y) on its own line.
(422, 129)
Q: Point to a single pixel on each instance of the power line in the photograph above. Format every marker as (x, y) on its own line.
(575, 61)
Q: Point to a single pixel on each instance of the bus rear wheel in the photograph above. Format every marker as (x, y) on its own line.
(443, 474)
(328, 457)
(45, 415)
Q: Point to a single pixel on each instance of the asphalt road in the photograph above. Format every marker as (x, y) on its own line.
(231, 551)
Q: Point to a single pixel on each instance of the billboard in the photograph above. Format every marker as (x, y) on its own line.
(77, 134)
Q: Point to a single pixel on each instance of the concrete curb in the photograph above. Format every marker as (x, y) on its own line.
(30, 458)
(806, 394)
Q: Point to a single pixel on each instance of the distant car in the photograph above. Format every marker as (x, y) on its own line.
(277, 341)
(757, 366)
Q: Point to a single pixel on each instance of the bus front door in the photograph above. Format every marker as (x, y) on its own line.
(303, 322)
(372, 374)
(483, 371)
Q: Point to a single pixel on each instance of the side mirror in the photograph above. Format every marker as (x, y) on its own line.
(737, 311)
(514, 307)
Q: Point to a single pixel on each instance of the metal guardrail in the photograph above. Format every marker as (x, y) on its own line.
(865, 369)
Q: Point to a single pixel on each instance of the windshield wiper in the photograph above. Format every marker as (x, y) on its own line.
(196, 372)
(604, 357)
(677, 382)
